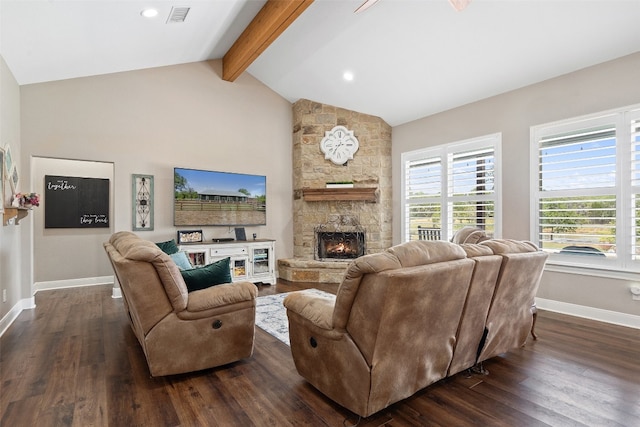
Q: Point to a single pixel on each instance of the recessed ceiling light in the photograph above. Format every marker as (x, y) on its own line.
(149, 13)
(348, 76)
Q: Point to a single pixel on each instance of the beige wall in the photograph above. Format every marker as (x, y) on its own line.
(14, 250)
(605, 86)
(147, 122)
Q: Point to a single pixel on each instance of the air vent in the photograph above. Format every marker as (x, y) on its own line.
(178, 14)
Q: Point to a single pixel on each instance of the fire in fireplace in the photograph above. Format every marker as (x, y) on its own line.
(337, 245)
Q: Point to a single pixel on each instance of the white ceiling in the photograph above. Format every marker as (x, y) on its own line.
(410, 58)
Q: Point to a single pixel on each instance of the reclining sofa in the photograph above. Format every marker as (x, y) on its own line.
(413, 315)
(180, 331)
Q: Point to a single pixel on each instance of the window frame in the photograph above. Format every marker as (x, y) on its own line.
(623, 191)
(444, 151)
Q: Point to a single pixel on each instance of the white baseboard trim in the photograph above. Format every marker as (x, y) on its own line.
(608, 316)
(72, 283)
(12, 315)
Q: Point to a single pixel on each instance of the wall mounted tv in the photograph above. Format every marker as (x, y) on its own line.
(204, 197)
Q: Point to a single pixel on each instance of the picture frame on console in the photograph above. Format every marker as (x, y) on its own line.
(189, 236)
(241, 235)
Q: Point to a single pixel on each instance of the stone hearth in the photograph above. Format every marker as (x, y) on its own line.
(305, 270)
(370, 168)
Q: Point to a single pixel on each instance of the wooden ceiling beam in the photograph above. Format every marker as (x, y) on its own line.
(274, 17)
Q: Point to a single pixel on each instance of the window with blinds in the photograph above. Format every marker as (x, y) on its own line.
(577, 185)
(586, 187)
(450, 186)
(472, 191)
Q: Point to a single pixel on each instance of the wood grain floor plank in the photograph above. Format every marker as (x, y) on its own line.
(542, 414)
(61, 387)
(23, 412)
(91, 397)
(195, 402)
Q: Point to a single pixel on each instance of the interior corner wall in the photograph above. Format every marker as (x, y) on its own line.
(148, 122)
(602, 87)
(14, 239)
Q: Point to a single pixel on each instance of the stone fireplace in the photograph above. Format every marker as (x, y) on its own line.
(367, 206)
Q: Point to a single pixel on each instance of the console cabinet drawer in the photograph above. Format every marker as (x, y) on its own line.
(224, 252)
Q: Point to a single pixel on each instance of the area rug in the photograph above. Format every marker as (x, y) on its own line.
(271, 315)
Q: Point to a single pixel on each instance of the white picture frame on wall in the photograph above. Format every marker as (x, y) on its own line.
(14, 178)
(8, 161)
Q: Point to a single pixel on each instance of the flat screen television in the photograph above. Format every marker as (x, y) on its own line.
(204, 197)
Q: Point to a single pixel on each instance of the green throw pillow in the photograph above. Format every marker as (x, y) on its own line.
(207, 276)
(169, 247)
(182, 260)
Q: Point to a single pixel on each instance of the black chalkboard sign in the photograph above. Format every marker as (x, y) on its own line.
(73, 202)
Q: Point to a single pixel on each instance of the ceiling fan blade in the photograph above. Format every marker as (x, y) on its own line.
(364, 6)
(459, 5)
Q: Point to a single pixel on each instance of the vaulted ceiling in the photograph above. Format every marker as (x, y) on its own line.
(408, 58)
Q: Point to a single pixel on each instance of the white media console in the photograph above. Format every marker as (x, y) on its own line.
(251, 260)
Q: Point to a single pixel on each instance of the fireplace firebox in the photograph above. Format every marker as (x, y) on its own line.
(338, 245)
(342, 238)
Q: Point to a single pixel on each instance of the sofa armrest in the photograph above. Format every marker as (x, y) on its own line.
(316, 309)
(219, 296)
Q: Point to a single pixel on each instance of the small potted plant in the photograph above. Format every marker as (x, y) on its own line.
(27, 200)
(340, 184)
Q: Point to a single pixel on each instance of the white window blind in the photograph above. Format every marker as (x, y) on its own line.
(577, 185)
(450, 186)
(472, 190)
(423, 189)
(586, 175)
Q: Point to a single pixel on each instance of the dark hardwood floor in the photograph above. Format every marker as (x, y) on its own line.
(74, 361)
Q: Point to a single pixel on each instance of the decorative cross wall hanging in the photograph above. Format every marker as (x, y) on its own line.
(142, 202)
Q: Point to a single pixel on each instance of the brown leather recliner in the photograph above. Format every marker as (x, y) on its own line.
(498, 313)
(469, 234)
(391, 330)
(471, 333)
(510, 315)
(180, 331)
(412, 315)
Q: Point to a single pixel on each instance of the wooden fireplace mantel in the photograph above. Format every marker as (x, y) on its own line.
(329, 194)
